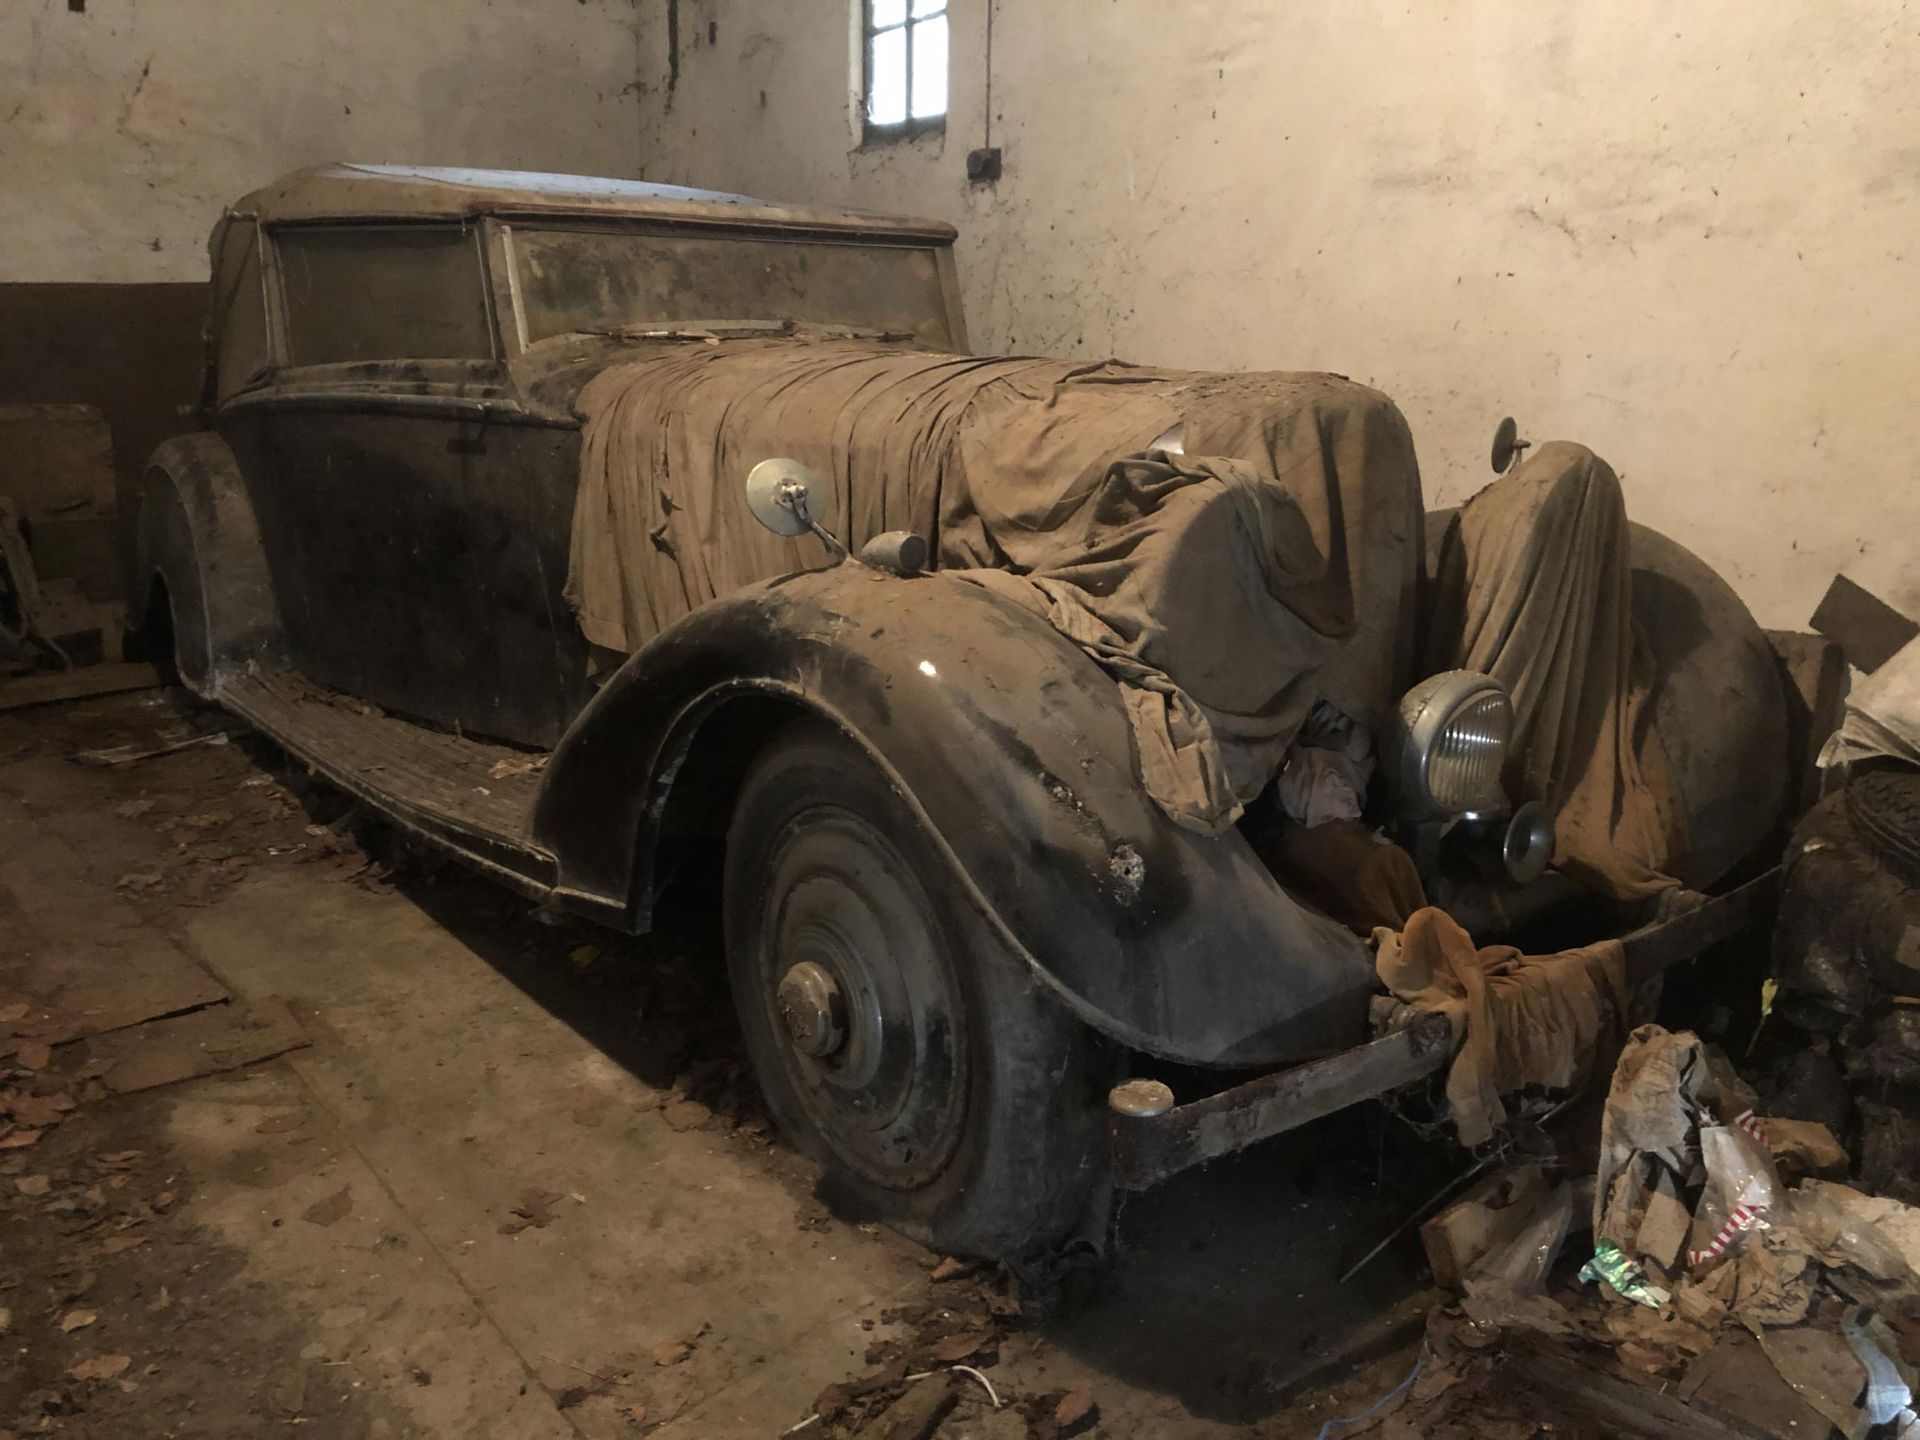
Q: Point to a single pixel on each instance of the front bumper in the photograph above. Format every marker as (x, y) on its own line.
(1154, 1139)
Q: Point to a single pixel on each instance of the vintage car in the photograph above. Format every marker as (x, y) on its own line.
(954, 918)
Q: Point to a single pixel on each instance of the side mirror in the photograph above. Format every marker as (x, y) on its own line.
(788, 498)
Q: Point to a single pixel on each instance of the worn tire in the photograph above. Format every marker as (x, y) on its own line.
(976, 1127)
(1884, 806)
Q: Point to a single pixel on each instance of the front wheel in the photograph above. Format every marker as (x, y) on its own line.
(895, 1039)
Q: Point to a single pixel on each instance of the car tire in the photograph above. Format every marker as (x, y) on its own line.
(1884, 807)
(896, 1041)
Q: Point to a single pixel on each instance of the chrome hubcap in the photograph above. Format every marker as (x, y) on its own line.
(814, 1010)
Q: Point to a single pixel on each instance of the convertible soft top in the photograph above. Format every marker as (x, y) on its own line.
(413, 192)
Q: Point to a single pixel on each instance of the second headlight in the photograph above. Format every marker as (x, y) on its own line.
(1454, 732)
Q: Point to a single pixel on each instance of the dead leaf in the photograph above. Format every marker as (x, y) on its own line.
(535, 1211)
(117, 1244)
(954, 1348)
(18, 1139)
(37, 1112)
(335, 1207)
(671, 1352)
(118, 1160)
(133, 809)
(77, 1320)
(950, 1268)
(32, 1054)
(634, 1414)
(138, 881)
(6, 1319)
(161, 1201)
(100, 1367)
(525, 765)
(16, 1010)
(33, 1185)
(1074, 1406)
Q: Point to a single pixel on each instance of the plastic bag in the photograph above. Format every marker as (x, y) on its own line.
(1842, 1236)
(1521, 1263)
(1742, 1186)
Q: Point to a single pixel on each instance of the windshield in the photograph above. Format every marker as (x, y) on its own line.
(596, 280)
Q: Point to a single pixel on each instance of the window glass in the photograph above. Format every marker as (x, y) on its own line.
(930, 68)
(383, 293)
(610, 280)
(906, 65)
(239, 311)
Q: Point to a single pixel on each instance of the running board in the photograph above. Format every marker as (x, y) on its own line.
(470, 797)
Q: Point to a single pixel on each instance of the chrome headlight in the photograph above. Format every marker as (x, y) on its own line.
(1454, 729)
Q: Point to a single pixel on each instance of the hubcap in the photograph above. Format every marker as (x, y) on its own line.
(864, 999)
(814, 1009)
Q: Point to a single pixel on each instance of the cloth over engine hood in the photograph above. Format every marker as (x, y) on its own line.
(1274, 562)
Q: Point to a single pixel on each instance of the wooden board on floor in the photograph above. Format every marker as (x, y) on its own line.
(205, 1042)
(89, 680)
(76, 950)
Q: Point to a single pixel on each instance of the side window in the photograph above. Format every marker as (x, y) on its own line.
(239, 311)
(392, 292)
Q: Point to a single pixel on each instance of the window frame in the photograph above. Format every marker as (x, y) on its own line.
(277, 318)
(909, 128)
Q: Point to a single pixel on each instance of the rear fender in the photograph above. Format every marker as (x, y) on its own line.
(197, 535)
(1014, 750)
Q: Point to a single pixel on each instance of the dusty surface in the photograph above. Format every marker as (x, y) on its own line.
(515, 1184)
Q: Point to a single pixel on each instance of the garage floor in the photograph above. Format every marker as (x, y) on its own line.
(509, 1181)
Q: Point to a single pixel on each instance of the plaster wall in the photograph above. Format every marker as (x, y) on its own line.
(1684, 235)
(125, 125)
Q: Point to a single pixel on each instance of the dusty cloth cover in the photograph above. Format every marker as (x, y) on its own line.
(1533, 587)
(1519, 1019)
(1274, 563)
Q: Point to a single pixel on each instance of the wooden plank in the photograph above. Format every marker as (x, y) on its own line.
(1813, 674)
(1489, 1214)
(76, 950)
(185, 1047)
(1627, 1409)
(1862, 624)
(78, 684)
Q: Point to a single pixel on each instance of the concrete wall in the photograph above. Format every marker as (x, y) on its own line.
(129, 123)
(1682, 234)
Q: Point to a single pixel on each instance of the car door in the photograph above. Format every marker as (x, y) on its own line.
(408, 505)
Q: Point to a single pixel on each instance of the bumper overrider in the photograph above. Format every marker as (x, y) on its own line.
(1153, 1138)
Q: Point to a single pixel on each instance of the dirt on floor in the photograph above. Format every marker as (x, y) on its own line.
(507, 1177)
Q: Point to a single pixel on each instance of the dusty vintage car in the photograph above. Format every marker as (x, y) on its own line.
(955, 916)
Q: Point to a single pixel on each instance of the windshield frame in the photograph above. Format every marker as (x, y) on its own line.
(503, 269)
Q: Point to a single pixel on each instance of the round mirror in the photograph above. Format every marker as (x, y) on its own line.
(1507, 444)
(786, 497)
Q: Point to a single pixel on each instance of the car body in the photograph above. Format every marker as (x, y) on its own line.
(380, 510)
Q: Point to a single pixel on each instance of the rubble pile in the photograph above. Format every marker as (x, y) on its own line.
(1723, 1268)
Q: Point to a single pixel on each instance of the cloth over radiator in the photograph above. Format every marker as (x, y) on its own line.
(1277, 562)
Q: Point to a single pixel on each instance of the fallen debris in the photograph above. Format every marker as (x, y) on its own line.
(1719, 1300)
(80, 683)
(333, 1208)
(117, 755)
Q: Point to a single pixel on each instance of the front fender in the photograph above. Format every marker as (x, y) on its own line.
(1014, 748)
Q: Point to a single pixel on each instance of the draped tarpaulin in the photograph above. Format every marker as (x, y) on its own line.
(1276, 562)
(1533, 587)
